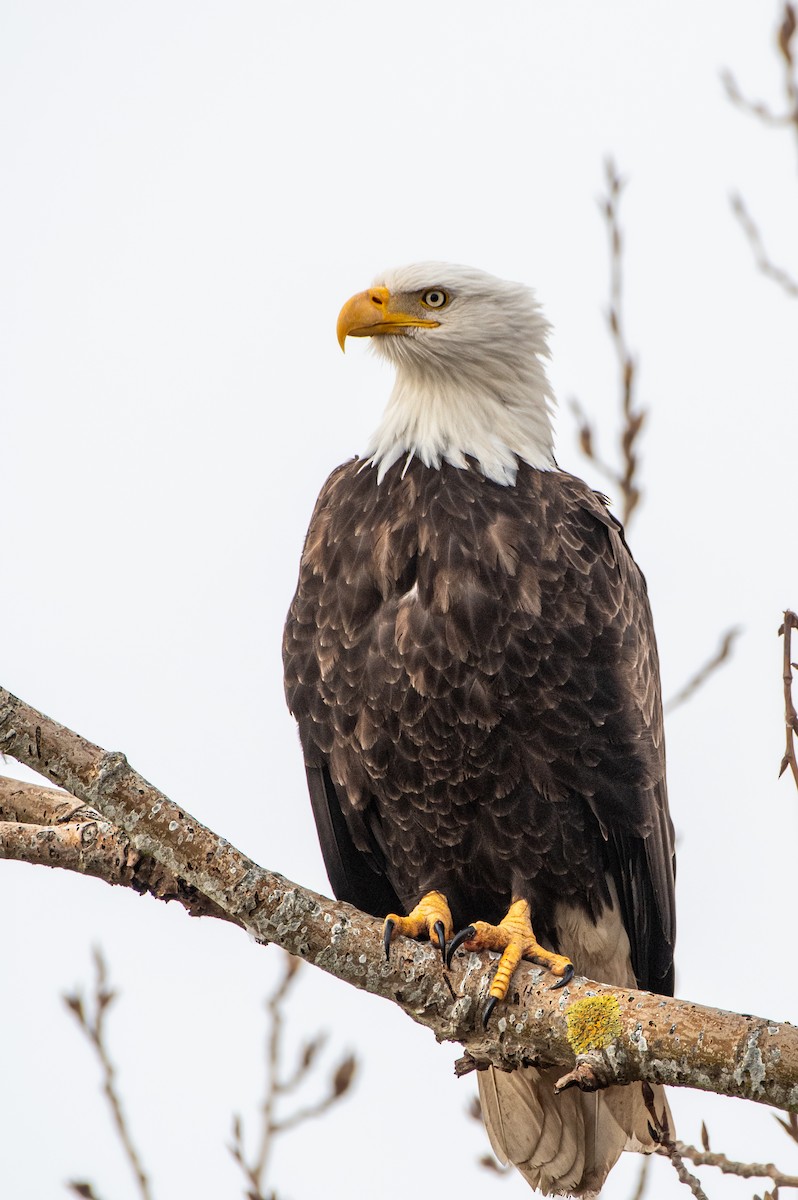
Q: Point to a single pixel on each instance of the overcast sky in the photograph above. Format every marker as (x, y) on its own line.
(190, 191)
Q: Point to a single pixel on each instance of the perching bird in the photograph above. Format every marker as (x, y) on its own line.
(471, 660)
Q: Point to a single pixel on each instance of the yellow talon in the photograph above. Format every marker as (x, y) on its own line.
(514, 937)
(431, 916)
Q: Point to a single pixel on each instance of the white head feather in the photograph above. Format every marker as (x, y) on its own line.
(473, 387)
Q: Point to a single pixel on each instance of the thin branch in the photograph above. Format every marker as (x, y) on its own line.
(305, 1061)
(638, 1036)
(642, 1178)
(790, 1126)
(785, 37)
(708, 1158)
(94, 1029)
(721, 655)
(311, 1111)
(633, 418)
(764, 263)
(488, 1161)
(625, 477)
(255, 1170)
(790, 715)
(754, 108)
(765, 115)
(784, 40)
(274, 1008)
(686, 1177)
(587, 444)
(660, 1129)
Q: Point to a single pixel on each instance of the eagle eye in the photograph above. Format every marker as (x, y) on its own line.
(434, 298)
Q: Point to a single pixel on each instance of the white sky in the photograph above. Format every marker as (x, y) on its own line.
(190, 191)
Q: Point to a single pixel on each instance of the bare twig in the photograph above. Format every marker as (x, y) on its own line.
(633, 417)
(587, 444)
(754, 108)
(685, 1044)
(790, 1126)
(785, 36)
(753, 1170)
(642, 1178)
(488, 1160)
(93, 1026)
(790, 715)
(660, 1130)
(340, 1084)
(686, 1177)
(787, 119)
(721, 655)
(624, 477)
(764, 263)
(255, 1170)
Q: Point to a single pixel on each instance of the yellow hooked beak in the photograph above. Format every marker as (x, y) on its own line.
(372, 312)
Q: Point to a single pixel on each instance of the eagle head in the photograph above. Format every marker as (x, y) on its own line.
(471, 386)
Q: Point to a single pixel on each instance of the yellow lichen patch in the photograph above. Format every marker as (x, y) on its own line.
(593, 1023)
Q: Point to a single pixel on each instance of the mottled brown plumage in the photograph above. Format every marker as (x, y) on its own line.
(474, 674)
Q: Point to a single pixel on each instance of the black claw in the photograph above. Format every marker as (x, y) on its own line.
(487, 1010)
(464, 935)
(567, 977)
(441, 933)
(386, 937)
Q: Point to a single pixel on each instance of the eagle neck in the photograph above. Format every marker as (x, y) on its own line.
(465, 420)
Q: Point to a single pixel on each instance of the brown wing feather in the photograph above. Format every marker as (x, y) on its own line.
(357, 877)
(641, 854)
(643, 864)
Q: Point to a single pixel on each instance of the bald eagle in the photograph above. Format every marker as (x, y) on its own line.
(470, 657)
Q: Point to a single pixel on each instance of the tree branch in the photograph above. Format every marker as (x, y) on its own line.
(660, 1128)
(93, 1026)
(603, 1035)
(697, 680)
(642, 1178)
(626, 476)
(765, 114)
(50, 828)
(790, 715)
(762, 259)
(758, 108)
(753, 1170)
(279, 1086)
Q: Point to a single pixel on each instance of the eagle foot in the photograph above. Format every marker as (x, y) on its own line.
(431, 916)
(515, 939)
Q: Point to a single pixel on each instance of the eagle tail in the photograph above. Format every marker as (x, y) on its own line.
(563, 1145)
